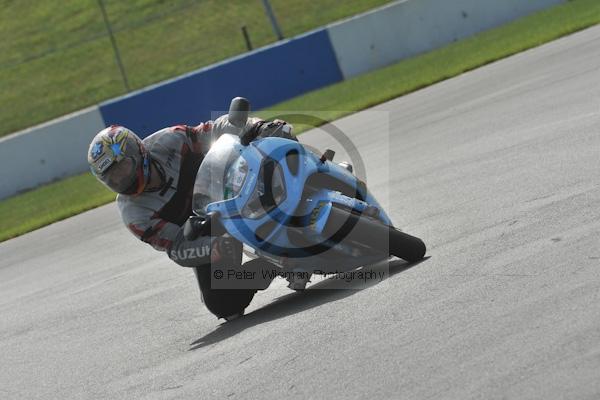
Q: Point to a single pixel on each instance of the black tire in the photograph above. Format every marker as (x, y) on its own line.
(405, 246)
(344, 225)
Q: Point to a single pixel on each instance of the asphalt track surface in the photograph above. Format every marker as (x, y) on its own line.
(498, 170)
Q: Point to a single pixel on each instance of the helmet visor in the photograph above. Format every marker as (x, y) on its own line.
(120, 176)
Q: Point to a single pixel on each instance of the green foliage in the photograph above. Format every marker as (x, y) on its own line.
(56, 56)
(31, 210)
(62, 199)
(407, 76)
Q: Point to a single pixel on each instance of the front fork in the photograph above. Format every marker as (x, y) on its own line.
(315, 212)
(317, 207)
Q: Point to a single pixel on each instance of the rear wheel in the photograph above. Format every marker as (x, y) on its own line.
(344, 225)
(405, 246)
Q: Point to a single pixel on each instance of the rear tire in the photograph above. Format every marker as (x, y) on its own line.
(344, 225)
(405, 246)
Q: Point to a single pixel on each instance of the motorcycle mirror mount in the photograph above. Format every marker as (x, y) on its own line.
(327, 156)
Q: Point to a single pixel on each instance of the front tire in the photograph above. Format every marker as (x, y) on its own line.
(344, 225)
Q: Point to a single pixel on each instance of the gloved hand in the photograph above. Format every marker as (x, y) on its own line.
(261, 128)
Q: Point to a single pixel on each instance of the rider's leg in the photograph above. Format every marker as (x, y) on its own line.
(224, 302)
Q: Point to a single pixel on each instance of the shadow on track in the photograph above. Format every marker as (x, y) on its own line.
(320, 293)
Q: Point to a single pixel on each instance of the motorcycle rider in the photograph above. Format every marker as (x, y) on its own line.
(154, 179)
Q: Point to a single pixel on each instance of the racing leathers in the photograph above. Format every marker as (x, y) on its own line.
(157, 217)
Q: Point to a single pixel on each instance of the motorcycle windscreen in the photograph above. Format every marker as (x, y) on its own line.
(221, 175)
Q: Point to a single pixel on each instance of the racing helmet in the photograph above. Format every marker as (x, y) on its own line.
(118, 159)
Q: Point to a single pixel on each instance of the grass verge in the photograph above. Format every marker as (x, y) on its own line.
(54, 60)
(62, 199)
(426, 69)
(32, 210)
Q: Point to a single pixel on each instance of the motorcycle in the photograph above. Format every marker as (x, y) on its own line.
(301, 212)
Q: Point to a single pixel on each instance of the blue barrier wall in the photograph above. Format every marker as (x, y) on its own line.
(266, 76)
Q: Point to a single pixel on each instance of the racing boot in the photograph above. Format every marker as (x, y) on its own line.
(298, 279)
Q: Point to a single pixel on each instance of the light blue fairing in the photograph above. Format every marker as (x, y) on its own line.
(312, 211)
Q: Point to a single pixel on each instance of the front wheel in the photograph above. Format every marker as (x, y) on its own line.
(345, 225)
